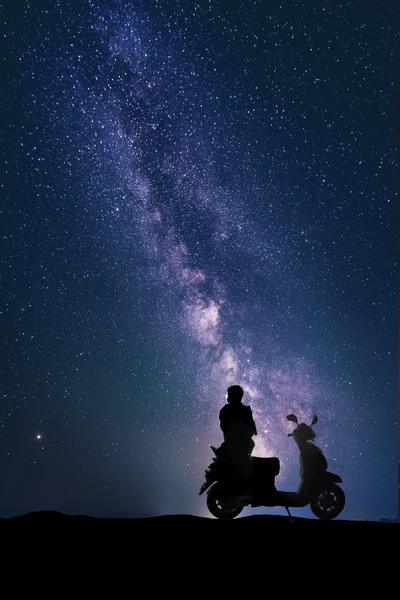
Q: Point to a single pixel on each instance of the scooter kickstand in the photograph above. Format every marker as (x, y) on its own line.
(290, 516)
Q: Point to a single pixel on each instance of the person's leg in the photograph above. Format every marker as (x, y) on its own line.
(238, 453)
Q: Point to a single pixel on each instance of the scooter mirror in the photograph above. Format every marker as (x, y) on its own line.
(292, 418)
(314, 420)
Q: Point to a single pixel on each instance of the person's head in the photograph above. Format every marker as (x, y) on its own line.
(234, 394)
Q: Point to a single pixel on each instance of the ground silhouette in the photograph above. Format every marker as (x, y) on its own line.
(187, 530)
(190, 556)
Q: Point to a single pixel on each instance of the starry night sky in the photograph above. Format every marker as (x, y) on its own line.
(194, 195)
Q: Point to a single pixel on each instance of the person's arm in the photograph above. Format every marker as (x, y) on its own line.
(221, 419)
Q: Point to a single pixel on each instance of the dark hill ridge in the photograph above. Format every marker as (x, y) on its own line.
(62, 517)
(188, 526)
(164, 522)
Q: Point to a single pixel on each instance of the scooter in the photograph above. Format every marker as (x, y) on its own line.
(228, 493)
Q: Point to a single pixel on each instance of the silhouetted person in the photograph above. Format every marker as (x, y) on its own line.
(238, 427)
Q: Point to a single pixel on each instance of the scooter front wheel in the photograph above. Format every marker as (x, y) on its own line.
(222, 508)
(328, 502)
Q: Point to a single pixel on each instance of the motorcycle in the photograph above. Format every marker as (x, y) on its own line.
(228, 493)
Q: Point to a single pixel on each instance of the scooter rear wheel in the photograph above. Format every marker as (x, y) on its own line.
(328, 502)
(222, 508)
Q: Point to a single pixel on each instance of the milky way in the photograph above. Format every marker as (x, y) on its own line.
(207, 197)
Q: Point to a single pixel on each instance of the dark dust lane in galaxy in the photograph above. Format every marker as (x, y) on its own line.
(196, 194)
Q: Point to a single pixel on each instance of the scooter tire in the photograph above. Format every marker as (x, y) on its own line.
(219, 508)
(328, 502)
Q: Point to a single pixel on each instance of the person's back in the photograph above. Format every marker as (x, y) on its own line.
(238, 427)
(237, 417)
